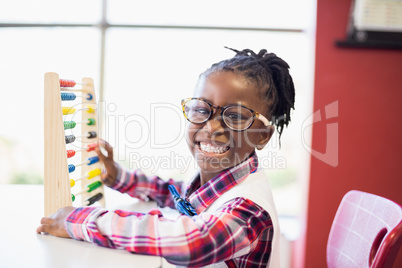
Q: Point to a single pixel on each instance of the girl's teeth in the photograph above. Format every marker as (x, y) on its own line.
(208, 148)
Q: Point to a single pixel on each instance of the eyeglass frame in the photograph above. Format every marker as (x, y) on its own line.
(256, 115)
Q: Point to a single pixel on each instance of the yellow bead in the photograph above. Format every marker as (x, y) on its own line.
(90, 110)
(72, 183)
(68, 110)
(94, 173)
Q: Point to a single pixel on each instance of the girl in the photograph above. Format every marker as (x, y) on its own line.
(230, 218)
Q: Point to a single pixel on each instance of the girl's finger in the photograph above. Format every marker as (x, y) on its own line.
(46, 220)
(41, 229)
(101, 156)
(108, 148)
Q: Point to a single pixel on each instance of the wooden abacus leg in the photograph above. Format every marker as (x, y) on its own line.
(88, 86)
(56, 177)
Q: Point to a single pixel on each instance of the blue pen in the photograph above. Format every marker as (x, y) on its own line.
(182, 205)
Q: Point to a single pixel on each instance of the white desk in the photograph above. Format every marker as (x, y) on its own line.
(21, 208)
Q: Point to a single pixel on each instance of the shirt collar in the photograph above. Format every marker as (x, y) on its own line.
(201, 197)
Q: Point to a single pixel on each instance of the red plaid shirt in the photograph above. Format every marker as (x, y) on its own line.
(239, 232)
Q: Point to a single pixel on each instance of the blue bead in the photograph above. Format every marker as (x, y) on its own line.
(93, 160)
(67, 96)
(71, 168)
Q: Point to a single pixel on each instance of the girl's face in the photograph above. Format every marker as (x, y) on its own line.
(214, 146)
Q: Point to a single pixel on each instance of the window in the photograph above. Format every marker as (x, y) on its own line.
(150, 60)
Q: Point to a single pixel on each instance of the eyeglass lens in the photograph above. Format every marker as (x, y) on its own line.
(235, 117)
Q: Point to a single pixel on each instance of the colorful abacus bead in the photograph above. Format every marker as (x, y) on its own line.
(72, 124)
(68, 96)
(90, 174)
(91, 122)
(69, 139)
(71, 168)
(90, 161)
(93, 173)
(90, 147)
(90, 110)
(70, 153)
(91, 135)
(67, 83)
(69, 124)
(88, 188)
(68, 110)
(93, 199)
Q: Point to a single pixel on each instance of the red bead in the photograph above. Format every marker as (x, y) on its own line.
(70, 153)
(67, 83)
(91, 147)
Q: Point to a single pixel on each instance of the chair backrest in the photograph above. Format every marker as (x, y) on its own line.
(366, 232)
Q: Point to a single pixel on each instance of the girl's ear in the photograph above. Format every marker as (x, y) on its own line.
(265, 136)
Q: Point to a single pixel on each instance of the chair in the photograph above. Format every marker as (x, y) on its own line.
(366, 232)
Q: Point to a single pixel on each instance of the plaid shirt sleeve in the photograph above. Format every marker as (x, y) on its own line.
(137, 184)
(233, 230)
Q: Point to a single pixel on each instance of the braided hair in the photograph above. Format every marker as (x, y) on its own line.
(268, 73)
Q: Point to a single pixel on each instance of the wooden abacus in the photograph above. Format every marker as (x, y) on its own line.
(58, 185)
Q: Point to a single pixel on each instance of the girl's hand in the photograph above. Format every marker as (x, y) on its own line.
(109, 177)
(54, 224)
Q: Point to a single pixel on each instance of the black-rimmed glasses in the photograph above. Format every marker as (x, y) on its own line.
(235, 117)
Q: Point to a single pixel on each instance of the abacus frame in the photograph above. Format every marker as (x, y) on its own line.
(57, 190)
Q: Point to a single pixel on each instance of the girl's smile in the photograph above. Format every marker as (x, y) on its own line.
(209, 148)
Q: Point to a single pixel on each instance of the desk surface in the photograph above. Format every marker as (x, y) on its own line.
(21, 209)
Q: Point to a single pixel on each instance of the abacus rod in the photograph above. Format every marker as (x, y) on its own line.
(90, 161)
(90, 147)
(82, 191)
(80, 96)
(80, 150)
(89, 188)
(82, 178)
(63, 84)
(89, 136)
(82, 122)
(95, 173)
(83, 163)
(79, 83)
(72, 89)
(73, 122)
(73, 110)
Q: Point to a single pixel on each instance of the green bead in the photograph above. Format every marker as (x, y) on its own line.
(91, 122)
(69, 124)
(73, 197)
(93, 186)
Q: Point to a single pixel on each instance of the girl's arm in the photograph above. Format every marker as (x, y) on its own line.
(231, 231)
(135, 183)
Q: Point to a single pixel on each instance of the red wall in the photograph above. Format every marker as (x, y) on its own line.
(368, 85)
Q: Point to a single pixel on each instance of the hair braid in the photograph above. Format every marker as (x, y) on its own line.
(270, 74)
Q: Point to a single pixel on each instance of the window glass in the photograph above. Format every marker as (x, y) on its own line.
(25, 56)
(50, 11)
(224, 13)
(148, 70)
